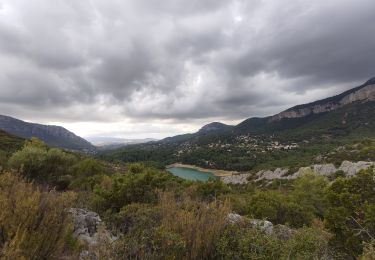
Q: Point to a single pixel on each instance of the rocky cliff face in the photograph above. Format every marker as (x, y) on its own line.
(50, 134)
(363, 93)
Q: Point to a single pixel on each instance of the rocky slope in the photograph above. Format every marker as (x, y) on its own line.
(347, 168)
(50, 134)
(363, 93)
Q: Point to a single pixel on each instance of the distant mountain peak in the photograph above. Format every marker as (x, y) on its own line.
(213, 127)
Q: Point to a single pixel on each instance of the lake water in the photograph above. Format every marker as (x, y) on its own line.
(191, 174)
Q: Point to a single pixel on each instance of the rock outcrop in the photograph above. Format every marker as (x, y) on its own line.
(234, 218)
(324, 169)
(363, 93)
(348, 168)
(90, 231)
(86, 224)
(264, 226)
(271, 175)
(236, 179)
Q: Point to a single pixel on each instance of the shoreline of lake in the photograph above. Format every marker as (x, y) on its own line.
(217, 173)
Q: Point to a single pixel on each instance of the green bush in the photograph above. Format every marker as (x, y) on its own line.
(309, 191)
(36, 162)
(87, 168)
(239, 241)
(133, 188)
(308, 243)
(350, 212)
(212, 189)
(279, 209)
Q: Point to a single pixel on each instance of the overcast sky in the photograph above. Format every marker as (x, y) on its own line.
(154, 68)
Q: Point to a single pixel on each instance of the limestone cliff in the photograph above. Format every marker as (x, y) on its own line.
(363, 93)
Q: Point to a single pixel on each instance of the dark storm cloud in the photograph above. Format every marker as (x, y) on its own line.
(177, 60)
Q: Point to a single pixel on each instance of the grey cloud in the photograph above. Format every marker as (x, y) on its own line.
(179, 60)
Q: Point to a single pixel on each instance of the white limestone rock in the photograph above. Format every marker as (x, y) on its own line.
(271, 175)
(236, 179)
(350, 168)
(324, 169)
(263, 225)
(234, 218)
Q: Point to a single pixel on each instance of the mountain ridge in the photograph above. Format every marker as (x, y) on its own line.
(363, 92)
(50, 134)
(259, 142)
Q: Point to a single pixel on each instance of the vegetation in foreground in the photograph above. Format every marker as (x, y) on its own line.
(155, 215)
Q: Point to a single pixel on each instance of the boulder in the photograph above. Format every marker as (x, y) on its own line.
(350, 168)
(324, 169)
(271, 175)
(86, 224)
(234, 218)
(236, 179)
(263, 225)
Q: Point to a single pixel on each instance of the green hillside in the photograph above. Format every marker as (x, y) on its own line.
(9, 143)
(258, 143)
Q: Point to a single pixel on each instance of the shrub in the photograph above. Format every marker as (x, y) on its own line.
(198, 223)
(129, 188)
(33, 224)
(351, 212)
(87, 168)
(212, 189)
(279, 209)
(238, 242)
(309, 191)
(308, 243)
(36, 162)
(29, 162)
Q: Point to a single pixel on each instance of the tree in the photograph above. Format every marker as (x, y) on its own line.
(36, 162)
(351, 212)
(309, 191)
(30, 160)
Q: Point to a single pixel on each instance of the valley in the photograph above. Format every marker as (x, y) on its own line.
(187, 130)
(267, 143)
(271, 186)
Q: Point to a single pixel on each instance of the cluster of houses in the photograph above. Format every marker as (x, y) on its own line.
(248, 142)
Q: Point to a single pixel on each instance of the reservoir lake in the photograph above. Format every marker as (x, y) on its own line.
(191, 174)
